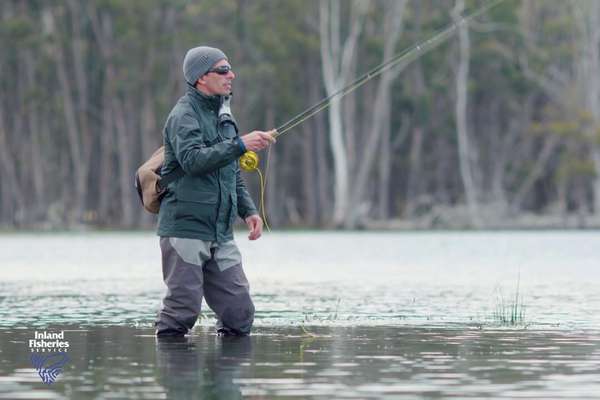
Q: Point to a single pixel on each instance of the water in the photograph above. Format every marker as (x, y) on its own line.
(339, 315)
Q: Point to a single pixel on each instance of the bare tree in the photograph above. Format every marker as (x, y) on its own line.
(337, 58)
(587, 15)
(114, 116)
(74, 100)
(379, 134)
(465, 149)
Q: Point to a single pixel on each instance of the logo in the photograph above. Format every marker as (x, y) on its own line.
(50, 365)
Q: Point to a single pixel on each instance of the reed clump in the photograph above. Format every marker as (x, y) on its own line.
(510, 311)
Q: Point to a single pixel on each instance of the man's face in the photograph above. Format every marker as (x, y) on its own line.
(213, 83)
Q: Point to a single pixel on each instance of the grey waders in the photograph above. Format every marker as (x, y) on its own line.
(194, 268)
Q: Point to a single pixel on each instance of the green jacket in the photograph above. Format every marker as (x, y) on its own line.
(202, 204)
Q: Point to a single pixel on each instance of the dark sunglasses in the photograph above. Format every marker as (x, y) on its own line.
(222, 70)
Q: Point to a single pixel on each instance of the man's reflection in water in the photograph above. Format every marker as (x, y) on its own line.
(190, 370)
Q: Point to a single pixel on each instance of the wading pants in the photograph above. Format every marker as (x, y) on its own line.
(195, 268)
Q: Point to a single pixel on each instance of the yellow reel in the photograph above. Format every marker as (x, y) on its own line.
(249, 161)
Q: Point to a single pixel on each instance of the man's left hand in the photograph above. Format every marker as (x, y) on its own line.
(255, 224)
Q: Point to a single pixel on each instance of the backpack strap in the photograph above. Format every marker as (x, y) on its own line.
(170, 177)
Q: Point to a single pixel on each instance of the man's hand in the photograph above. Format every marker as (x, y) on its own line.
(258, 140)
(255, 224)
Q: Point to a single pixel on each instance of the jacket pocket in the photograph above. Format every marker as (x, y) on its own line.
(199, 208)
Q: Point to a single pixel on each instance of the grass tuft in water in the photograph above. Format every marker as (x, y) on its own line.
(511, 311)
(306, 332)
(323, 316)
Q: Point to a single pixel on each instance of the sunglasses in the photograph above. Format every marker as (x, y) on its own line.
(222, 70)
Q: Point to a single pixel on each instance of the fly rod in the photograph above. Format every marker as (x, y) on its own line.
(249, 160)
(407, 56)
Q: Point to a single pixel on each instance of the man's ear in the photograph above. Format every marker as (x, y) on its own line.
(200, 83)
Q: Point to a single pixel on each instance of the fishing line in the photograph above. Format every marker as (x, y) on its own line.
(263, 188)
(263, 185)
(249, 161)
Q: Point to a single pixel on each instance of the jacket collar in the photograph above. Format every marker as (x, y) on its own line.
(212, 102)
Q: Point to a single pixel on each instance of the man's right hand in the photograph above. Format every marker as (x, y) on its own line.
(258, 140)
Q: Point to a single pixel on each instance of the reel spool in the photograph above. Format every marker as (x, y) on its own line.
(249, 161)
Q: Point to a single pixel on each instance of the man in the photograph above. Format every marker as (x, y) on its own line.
(199, 255)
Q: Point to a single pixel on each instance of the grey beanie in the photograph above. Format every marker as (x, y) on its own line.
(199, 60)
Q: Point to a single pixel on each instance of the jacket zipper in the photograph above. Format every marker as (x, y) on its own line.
(219, 183)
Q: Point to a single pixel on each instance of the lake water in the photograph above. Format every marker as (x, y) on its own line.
(339, 315)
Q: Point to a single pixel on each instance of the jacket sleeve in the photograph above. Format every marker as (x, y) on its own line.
(195, 154)
(245, 204)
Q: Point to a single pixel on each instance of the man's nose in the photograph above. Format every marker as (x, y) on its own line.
(231, 75)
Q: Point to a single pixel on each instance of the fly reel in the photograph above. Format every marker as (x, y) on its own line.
(249, 161)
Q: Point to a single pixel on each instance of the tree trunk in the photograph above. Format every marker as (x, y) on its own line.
(380, 116)
(79, 162)
(415, 170)
(336, 63)
(465, 150)
(107, 168)
(12, 196)
(151, 136)
(385, 167)
(547, 150)
(324, 193)
(102, 29)
(124, 155)
(40, 197)
(309, 159)
(587, 16)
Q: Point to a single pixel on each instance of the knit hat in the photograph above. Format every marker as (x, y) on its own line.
(199, 60)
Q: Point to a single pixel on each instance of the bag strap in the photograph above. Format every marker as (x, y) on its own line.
(170, 177)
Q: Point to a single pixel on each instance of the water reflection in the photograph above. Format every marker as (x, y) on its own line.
(187, 372)
(314, 363)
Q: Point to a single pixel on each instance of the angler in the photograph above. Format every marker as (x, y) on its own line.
(199, 255)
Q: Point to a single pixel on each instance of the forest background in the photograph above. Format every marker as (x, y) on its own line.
(496, 128)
